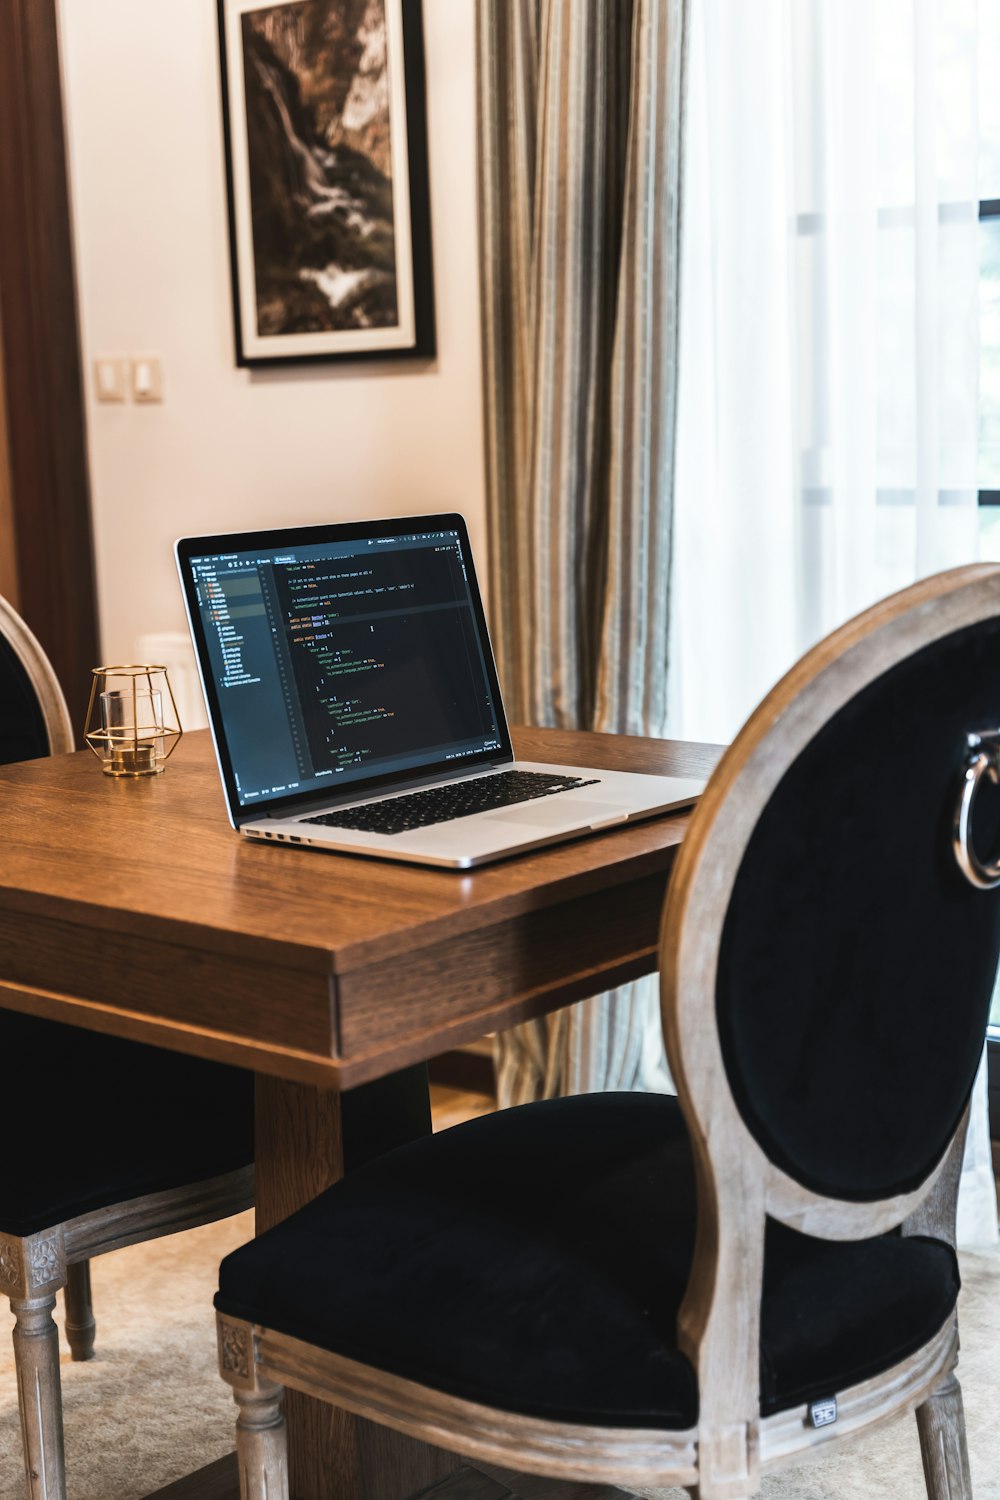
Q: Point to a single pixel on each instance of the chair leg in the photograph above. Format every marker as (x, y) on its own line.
(80, 1325)
(261, 1446)
(941, 1423)
(36, 1358)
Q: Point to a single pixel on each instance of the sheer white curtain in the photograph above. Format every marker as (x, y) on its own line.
(829, 329)
(827, 407)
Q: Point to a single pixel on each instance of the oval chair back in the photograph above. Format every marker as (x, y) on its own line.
(827, 968)
(34, 719)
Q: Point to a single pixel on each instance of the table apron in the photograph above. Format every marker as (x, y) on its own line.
(259, 1002)
(332, 1030)
(415, 1005)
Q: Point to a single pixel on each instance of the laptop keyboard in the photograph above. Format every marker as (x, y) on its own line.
(441, 804)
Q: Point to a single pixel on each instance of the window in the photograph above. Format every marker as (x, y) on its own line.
(989, 288)
(989, 359)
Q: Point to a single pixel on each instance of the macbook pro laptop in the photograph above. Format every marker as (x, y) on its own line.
(354, 701)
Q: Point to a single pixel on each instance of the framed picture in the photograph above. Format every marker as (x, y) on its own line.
(326, 165)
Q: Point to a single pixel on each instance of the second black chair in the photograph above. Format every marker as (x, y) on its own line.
(115, 1142)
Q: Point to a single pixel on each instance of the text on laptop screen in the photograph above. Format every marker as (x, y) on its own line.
(341, 661)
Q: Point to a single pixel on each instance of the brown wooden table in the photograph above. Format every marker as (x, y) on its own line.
(131, 907)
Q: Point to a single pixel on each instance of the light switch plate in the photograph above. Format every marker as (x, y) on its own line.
(110, 377)
(147, 378)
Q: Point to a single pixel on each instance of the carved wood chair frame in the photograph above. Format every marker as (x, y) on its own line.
(33, 1268)
(724, 1456)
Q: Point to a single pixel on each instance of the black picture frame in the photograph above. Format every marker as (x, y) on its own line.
(329, 220)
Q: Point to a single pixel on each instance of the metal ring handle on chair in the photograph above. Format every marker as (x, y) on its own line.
(983, 877)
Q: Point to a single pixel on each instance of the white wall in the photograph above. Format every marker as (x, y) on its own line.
(228, 448)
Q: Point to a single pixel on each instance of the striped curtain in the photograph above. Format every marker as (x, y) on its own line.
(580, 111)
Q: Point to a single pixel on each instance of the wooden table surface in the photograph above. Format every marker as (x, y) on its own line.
(132, 907)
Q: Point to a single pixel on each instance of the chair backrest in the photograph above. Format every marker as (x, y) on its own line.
(826, 966)
(34, 719)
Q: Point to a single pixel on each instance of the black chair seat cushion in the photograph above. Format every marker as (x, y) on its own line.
(103, 1120)
(535, 1259)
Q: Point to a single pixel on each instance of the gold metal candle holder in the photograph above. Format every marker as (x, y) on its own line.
(126, 726)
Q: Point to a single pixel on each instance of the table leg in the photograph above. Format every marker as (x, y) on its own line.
(305, 1140)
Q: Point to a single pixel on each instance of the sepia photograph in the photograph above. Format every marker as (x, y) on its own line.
(325, 143)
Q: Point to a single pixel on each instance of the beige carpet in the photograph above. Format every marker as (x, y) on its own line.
(151, 1408)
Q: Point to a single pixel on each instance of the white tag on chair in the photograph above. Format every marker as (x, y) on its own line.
(823, 1413)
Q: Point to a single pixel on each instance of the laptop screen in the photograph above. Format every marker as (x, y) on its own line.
(340, 657)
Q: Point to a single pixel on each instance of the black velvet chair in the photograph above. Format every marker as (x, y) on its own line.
(646, 1291)
(108, 1142)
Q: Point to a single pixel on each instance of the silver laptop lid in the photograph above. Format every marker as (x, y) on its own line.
(340, 660)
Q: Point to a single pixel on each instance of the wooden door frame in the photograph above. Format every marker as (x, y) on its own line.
(48, 520)
(8, 561)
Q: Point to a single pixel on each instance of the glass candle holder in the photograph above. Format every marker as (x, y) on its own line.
(126, 725)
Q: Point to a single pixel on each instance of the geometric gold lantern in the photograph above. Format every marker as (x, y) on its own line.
(127, 728)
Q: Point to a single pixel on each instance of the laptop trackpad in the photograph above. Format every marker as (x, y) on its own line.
(553, 812)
